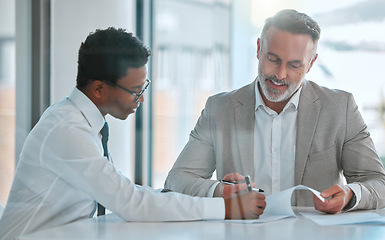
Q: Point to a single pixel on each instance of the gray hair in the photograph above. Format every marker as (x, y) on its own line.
(294, 22)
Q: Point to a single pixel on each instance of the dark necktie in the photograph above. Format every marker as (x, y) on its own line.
(104, 132)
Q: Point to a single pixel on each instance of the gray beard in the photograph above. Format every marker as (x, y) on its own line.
(274, 95)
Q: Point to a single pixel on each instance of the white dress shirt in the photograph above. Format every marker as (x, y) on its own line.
(62, 171)
(274, 144)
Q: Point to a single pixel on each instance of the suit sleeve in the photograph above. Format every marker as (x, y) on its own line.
(196, 163)
(360, 162)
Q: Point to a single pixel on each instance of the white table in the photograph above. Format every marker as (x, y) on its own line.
(112, 227)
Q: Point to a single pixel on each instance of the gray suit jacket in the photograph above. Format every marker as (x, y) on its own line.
(332, 143)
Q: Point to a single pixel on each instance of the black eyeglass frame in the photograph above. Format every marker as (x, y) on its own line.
(138, 95)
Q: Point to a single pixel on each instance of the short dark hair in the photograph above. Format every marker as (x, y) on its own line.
(294, 22)
(107, 54)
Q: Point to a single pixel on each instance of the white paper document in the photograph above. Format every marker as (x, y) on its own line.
(278, 206)
(344, 218)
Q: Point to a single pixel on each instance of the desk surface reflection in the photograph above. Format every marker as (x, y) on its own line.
(113, 227)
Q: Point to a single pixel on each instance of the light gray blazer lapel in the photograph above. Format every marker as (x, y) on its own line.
(244, 127)
(308, 113)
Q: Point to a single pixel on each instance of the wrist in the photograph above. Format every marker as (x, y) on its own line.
(218, 192)
(352, 201)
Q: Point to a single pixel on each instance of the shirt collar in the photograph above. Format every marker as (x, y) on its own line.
(294, 100)
(88, 109)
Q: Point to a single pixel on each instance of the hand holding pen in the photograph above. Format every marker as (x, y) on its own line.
(233, 183)
(241, 199)
(247, 181)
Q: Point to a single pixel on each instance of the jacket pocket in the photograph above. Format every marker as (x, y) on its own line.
(329, 153)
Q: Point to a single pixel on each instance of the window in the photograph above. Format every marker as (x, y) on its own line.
(191, 56)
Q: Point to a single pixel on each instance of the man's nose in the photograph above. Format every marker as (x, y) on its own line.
(281, 72)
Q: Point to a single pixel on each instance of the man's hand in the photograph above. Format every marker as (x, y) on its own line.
(247, 205)
(336, 198)
(226, 190)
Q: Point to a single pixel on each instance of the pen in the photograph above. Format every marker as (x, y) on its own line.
(227, 182)
(251, 188)
(248, 183)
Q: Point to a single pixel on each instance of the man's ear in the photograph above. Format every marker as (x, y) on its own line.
(97, 88)
(312, 62)
(258, 47)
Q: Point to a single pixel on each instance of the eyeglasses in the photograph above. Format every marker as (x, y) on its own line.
(138, 95)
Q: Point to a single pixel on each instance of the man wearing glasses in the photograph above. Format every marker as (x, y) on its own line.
(64, 167)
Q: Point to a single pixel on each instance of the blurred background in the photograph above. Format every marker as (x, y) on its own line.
(199, 48)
